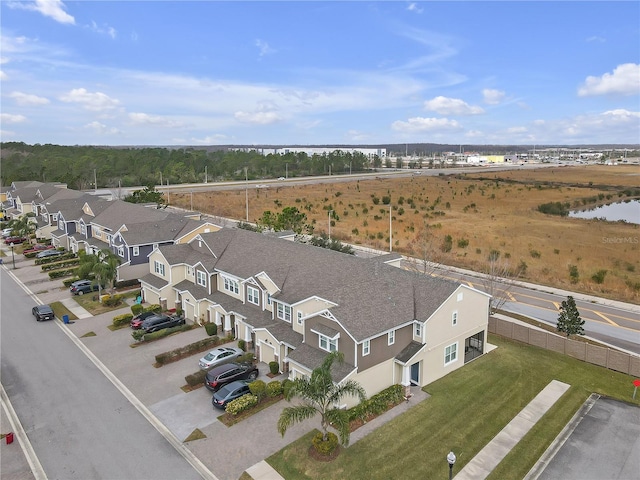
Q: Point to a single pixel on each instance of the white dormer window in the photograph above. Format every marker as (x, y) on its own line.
(135, 251)
(391, 337)
(299, 318)
(284, 312)
(253, 295)
(417, 330)
(201, 278)
(158, 267)
(366, 348)
(327, 344)
(96, 231)
(231, 285)
(269, 299)
(83, 229)
(121, 251)
(454, 318)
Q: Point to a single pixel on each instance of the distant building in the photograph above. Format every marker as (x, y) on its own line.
(310, 151)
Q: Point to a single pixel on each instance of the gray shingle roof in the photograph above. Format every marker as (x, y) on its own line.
(168, 229)
(312, 358)
(371, 297)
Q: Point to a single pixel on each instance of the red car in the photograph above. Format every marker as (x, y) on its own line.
(14, 240)
(136, 322)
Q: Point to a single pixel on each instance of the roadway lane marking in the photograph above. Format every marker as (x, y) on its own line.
(511, 297)
(605, 318)
(23, 440)
(557, 305)
(194, 461)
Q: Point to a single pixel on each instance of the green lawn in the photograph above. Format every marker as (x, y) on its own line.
(466, 410)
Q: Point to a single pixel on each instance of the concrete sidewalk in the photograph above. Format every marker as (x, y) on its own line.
(494, 452)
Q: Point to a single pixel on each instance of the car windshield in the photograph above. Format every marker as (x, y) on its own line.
(225, 391)
(210, 356)
(45, 309)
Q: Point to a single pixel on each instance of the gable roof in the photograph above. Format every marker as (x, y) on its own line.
(371, 297)
(156, 231)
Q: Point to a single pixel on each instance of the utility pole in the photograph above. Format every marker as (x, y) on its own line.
(246, 192)
(205, 174)
(390, 231)
(95, 181)
(330, 212)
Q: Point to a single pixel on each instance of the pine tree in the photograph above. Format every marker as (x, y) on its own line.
(569, 320)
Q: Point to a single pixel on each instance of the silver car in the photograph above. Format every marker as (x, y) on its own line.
(218, 356)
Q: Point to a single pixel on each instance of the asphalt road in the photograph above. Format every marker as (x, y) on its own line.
(77, 421)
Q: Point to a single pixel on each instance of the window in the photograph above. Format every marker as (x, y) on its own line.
(284, 312)
(135, 251)
(391, 337)
(83, 229)
(190, 271)
(121, 251)
(417, 330)
(55, 217)
(450, 353)
(109, 239)
(252, 295)
(454, 318)
(202, 278)
(268, 299)
(459, 297)
(96, 231)
(231, 285)
(299, 318)
(366, 348)
(328, 344)
(158, 267)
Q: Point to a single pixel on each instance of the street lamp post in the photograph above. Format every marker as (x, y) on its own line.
(330, 212)
(451, 459)
(13, 257)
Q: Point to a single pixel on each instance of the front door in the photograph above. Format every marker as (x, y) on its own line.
(415, 374)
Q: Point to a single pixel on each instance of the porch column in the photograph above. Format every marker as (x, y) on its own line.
(218, 321)
(406, 380)
(247, 337)
(227, 323)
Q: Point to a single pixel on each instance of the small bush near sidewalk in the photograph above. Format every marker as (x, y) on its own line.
(123, 320)
(196, 379)
(248, 405)
(375, 405)
(211, 328)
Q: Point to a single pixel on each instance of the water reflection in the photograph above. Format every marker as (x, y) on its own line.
(628, 211)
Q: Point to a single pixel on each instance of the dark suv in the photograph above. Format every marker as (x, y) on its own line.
(136, 322)
(221, 375)
(83, 286)
(160, 321)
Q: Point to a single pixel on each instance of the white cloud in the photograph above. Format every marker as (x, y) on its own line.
(596, 38)
(492, 97)
(260, 118)
(421, 124)
(97, 101)
(209, 139)
(156, 120)
(104, 30)
(516, 129)
(9, 118)
(3, 76)
(102, 129)
(625, 80)
(48, 8)
(264, 48)
(24, 99)
(451, 106)
(413, 7)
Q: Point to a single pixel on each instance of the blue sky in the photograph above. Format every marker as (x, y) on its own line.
(210, 73)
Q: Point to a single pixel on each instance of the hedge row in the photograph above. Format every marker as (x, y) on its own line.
(187, 350)
(121, 320)
(378, 403)
(61, 264)
(127, 283)
(61, 273)
(64, 256)
(149, 337)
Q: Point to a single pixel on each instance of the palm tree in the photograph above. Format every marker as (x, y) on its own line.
(103, 266)
(320, 394)
(23, 226)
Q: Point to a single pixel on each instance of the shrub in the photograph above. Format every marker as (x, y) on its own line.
(121, 320)
(447, 244)
(166, 332)
(274, 388)
(598, 277)
(67, 283)
(325, 447)
(234, 407)
(554, 208)
(112, 300)
(463, 243)
(127, 283)
(258, 388)
(195, 379)
(274, 368)
(248, 357)
(534, 253)
(286, 386)
(242, 345)
(196, 347)
(138, 335)
(136, 309)
(153, 308)
(61, 273)
(211, 328)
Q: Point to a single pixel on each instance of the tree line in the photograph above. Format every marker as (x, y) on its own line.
(80, 166)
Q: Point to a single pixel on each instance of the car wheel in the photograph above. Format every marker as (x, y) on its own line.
(80, 292)
(253, 376)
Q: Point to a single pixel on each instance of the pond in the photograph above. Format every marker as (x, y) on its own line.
(628, 211)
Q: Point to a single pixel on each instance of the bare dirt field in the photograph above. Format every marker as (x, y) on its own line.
(463, 219)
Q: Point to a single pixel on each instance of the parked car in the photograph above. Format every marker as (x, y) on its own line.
(222, 375)
(49, 253)
(218, 356)
(43, 312)
(159, 321)
(80, 287)
(38, 247)
(230, 392)
(14, 240)
(136, 322)
(6, 232)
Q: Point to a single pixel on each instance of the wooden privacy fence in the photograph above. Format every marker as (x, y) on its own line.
(595, 354)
